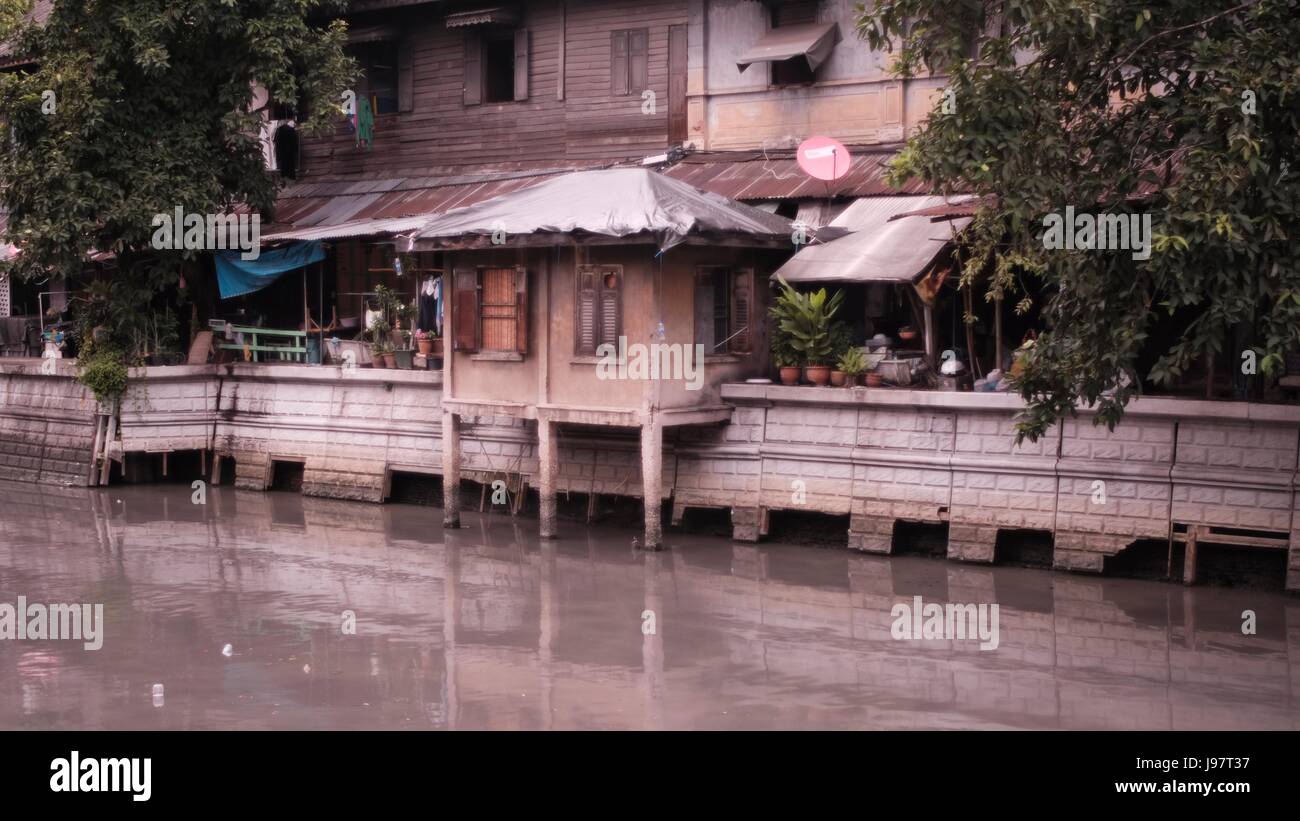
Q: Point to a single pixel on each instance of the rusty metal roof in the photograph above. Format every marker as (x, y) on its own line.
(365, 207)
(776, 175)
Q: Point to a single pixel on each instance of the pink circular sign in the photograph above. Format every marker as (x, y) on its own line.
(824, 158)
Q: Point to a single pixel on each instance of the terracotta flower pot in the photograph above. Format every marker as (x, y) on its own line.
(790, 375)
(837, 379)
(875, 380)
(425, 346)
(819, 375)
(390, 361)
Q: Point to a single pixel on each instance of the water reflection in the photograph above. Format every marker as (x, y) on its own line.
(486, 628)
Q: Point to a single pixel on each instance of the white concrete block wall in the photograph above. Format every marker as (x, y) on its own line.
(47, 425)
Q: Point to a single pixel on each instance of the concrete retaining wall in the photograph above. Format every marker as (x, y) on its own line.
(877, 456)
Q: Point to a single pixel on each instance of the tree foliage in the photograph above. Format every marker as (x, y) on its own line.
(152, 109)
(1186, 110)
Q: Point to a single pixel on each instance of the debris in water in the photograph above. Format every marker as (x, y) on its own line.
(157, 695)
(227, 651)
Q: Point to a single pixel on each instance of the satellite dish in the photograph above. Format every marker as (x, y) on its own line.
(824, 158)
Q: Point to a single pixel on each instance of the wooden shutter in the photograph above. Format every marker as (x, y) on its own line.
(473, 68)
(618, 63)
(611, 321)
(638, 49)
(742, 310)
(676, 84)
(405, 76)
(521, 64)
(585, 318)
(521, 310)
(464, 310)
(704, 310)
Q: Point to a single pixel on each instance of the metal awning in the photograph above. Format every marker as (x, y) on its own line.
(879, 248)
(812, 41)
(628, 205)
(483, 17)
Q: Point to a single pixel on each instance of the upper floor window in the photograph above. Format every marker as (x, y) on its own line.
(629, 61)
(795, 71)
(385, 68)
(496, 65)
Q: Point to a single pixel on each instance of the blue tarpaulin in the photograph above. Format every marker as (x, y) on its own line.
(237, 277)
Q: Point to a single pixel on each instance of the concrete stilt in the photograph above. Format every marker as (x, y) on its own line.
(547, 465)
(450, 469)
(652, 469)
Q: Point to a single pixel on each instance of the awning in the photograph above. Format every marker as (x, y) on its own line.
(879, 249)
(483, 17)
(632, 204)
(812, 41)
(353, 228)
(236, 277)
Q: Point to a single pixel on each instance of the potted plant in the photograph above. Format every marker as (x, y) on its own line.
(788, 364)
(804, 323)
(424, 342)
(841, 342)
(852, 363)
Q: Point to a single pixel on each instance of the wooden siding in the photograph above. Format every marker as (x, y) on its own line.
(588, 126)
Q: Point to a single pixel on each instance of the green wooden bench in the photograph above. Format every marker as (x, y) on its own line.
(285, 346)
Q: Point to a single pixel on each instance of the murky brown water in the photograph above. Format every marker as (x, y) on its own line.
(485, 628)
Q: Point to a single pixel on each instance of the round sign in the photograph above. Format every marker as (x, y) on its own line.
(824, 158)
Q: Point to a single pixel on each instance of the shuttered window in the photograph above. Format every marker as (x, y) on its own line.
(496, 66)
(599, 311)
(629, 61)
(724, 307)
(490, 310)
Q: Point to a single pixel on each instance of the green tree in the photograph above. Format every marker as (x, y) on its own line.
(1187, 111)
(152, 109)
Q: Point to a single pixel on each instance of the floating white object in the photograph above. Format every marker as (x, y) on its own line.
(157, 695)
(227, 651)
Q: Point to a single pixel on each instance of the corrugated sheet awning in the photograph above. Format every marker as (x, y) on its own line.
(812, 41)
(483, 17)
(879, 249)
(381, 207)
(776, 175)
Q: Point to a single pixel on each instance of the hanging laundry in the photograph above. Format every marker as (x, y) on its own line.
(428, 307)
(437, 296)
(365, 124)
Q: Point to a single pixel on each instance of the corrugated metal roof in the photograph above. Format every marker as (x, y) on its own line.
(338, 209)
(759, 175)
(879, 249)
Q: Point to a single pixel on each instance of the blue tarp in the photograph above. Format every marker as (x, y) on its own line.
(237, 277)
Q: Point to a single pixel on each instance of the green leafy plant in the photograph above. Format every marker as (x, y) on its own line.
(803, 321)
(103, 370)
(852, 362)
(1185, 112)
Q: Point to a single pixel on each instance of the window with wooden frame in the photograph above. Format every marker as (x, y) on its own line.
(496, 65)
(629, 61)
(795, 71)
(490, 310)
(724, 309)
(385, 77)
(598, 316)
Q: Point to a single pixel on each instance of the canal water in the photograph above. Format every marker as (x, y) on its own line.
(349, 615)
